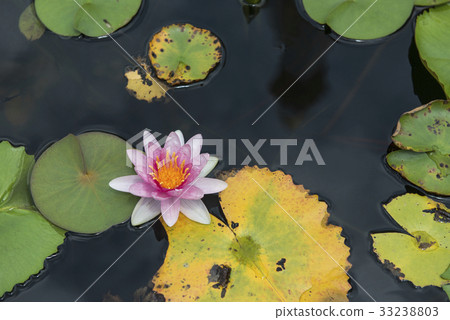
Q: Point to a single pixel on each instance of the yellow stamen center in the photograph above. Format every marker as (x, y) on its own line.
(168, 173)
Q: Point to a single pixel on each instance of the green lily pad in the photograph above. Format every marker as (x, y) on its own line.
(432, 37)
(424, 129)
(26, 238)
(446, 274)
(182, 53)
(428, 170)
(29, 24)
(95, 18)
(447, 289)
(353, 19)
(430, 2)
(70, 183)
(422, 255)
(424, 134)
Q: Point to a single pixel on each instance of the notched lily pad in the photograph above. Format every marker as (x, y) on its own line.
(69, 183)
(29, 24)
(144, 87)
(360, 19)
(95, 18)
(265, 256)
(424, 134)
(422, 254)
(432, 37)
(182, 53)
(26, 238)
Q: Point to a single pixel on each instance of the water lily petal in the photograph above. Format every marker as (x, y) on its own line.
(196, 143)
(195, 210)
(173, 142)
(138, 158)
(180, 136)
(210, 165)
(142, 189)
(161, 195)
(210, 185)
(196, 169)
(184, 154)
(124, 183)
(189, 192)
(146, 209)
(170, 210)
(150, 143)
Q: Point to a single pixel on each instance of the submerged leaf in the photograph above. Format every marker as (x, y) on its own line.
(423, 254)
(143, 87)
(432, 37)
(94, 18)
(70, 183)
(182, 53)
(26, 238)
(267, 253)
(29, 24)
(360, 19)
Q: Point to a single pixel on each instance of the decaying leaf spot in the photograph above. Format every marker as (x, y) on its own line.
(392, 268)
(220, 276)
(240, 264)
(147, 294)
(144, 87)
(422, 255)
(182, 53)
(440, 214)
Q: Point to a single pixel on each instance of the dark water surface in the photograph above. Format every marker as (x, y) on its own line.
(349, 103)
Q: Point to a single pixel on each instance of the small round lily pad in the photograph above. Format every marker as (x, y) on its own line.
(183, 54)
(70, 183)
(94, 18)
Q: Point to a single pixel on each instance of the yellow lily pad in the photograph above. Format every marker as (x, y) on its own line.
(144, 87)
(423, 253)
(267, 253)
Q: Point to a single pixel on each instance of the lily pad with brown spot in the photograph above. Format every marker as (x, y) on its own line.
(428, 170)
(270, 256)
(422, 254)
(425, 129)
(183, 54)
(424, 136)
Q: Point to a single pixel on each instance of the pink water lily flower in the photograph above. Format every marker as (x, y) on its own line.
(170, 179)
